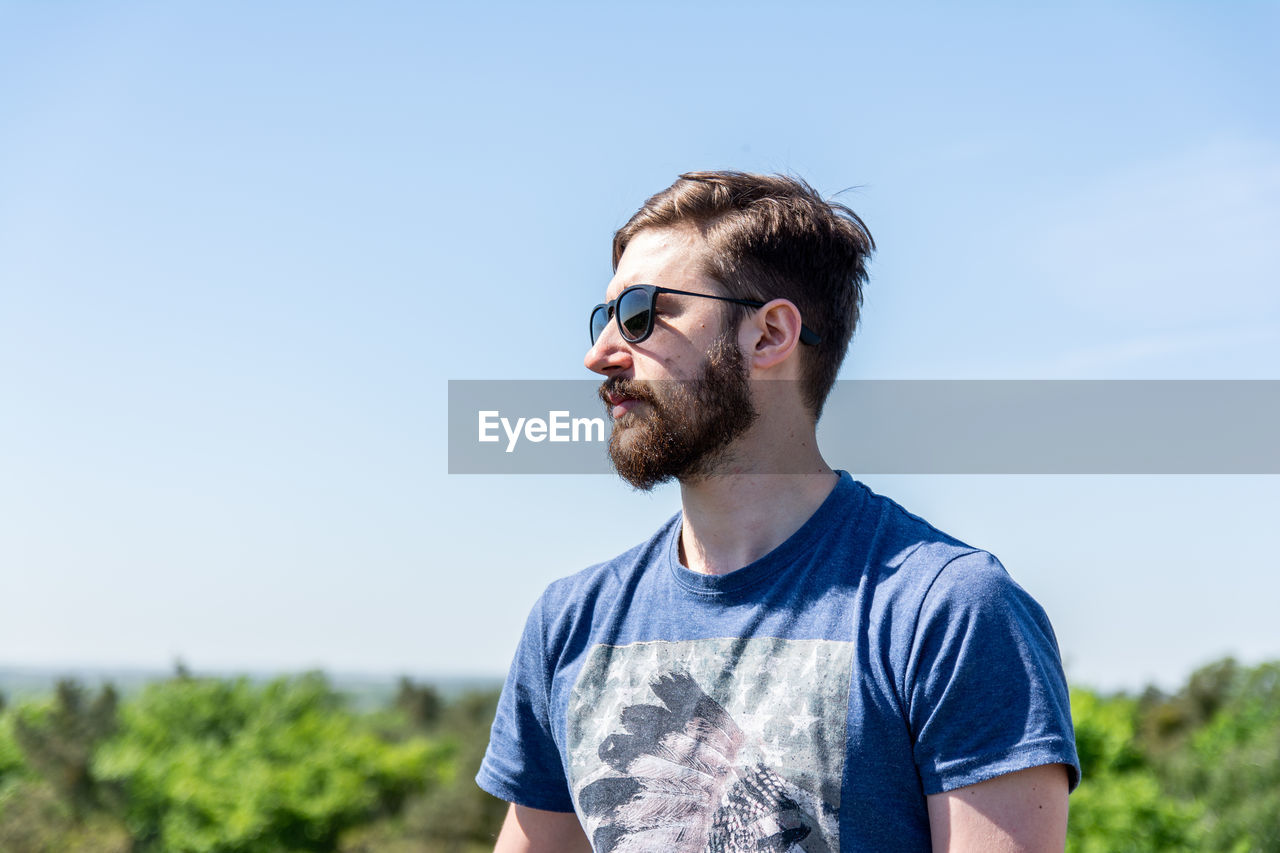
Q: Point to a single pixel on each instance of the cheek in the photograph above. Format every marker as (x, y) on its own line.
(680, 365)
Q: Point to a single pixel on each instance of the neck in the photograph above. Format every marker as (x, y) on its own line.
(734, 516)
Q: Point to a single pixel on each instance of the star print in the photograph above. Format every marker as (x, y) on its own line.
(753, 725)
(803, 723)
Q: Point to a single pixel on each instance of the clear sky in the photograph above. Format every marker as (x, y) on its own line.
(244, 246)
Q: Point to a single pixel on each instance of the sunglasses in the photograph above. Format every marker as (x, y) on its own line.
(636, 307)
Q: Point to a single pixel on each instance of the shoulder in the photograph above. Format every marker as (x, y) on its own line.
(973, 589)
(912, 559)
(940, 567)
(916, 540)
(932, 587)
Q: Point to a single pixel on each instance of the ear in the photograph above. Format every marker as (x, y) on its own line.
(771, 334)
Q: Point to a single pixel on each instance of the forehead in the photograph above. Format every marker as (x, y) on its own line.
(670, 257)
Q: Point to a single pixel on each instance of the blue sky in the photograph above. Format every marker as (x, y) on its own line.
(244, 246)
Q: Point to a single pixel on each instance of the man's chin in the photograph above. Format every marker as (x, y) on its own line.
(640, 477)
(645, 484)
(628, 436)
(627, 452)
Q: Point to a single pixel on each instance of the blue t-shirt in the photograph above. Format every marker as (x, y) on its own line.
(806, 702)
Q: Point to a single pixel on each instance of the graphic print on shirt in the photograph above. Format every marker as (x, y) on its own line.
(711, 746)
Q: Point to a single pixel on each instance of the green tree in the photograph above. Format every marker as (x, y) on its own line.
(48, 795)
(456, 817)
(1166, 723)
(420, 703)
(214, 767)
(58, 738)
(11, 763)
(1230, 763)
(1120, 806)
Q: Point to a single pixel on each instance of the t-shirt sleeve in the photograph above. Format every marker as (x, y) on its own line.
(985, 688)
(522, 764)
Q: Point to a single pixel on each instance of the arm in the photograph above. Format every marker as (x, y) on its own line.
(1022, 812)
(529, 830)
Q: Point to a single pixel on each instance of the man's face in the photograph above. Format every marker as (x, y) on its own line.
(680, 397)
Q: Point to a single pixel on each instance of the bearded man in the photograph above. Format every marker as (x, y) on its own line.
(792, 662)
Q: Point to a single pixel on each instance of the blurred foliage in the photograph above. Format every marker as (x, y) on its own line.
(210, 766)
(1223, 751)
(194, 765)
(1198, 769)
(57, 739)
(1120, 806)
(457, 817)
(49, 800)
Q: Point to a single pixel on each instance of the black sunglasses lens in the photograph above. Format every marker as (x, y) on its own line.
(634, 311)
(599, 319)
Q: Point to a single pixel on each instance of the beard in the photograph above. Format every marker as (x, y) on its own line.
(686, 427)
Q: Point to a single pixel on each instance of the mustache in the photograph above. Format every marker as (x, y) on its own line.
(618, 386)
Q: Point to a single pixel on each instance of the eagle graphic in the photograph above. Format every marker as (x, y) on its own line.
(674, 784)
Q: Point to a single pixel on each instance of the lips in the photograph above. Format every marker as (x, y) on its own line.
(620, 409)
(619, 399)
(620, 404)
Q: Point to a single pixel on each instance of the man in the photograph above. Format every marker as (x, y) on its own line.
(792, 663)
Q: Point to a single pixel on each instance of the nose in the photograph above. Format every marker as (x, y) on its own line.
(610, 354)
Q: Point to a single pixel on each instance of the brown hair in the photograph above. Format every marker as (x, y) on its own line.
(771, 237)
